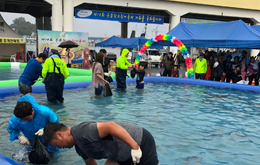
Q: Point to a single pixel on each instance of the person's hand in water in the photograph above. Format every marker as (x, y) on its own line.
(23, 140)
(39, 132)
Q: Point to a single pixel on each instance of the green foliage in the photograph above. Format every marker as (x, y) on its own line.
(24, 28)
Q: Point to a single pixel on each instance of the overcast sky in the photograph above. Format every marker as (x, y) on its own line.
(98, 28)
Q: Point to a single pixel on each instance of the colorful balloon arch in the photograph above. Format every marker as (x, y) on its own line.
(177, 42)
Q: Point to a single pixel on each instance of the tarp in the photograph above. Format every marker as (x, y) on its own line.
(117, 42)
(256, 27)
(234, 34)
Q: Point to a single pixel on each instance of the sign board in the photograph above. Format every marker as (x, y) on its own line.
(116, 16)
(197, 21)
(12, 41)
(48, 40)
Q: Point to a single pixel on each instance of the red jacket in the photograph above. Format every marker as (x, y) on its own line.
(175, 73)
(208, 73)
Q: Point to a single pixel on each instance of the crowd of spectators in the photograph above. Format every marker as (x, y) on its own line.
(216, 66)
(222, 67)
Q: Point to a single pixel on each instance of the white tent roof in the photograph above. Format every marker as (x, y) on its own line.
(6, 31)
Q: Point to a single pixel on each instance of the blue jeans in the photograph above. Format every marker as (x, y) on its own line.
(98, 90)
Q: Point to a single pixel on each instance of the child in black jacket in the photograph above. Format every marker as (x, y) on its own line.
(237, 75)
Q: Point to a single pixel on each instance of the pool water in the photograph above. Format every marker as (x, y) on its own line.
(7, 73)
(14, 73)
(192, 125)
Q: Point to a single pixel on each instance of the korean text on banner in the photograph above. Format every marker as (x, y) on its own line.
(115, 16)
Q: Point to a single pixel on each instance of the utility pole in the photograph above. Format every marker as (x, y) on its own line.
(155, 31)
(135, 28)
(145, 29)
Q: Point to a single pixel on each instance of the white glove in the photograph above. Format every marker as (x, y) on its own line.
(136, 155)
(107, 74)
(23, 140)
(39, 132)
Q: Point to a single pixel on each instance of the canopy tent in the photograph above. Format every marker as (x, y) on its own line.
(117, 42)
(256, 27)
(234, 34)
(10, 42)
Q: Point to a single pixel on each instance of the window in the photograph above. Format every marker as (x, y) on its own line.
(154, 52)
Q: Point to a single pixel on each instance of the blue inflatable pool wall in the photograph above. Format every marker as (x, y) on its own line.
(7, 161)
(6, 91)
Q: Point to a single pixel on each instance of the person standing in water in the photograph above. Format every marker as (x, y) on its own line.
(98, 80)
(54, 72)
(140, 77)
(121, 70)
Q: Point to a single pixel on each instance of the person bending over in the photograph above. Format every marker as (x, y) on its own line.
(30, 118)
(31, 73)
(119, 143)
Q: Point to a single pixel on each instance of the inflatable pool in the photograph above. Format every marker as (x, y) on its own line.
(80, 75)
(7, 161)
(6, 91)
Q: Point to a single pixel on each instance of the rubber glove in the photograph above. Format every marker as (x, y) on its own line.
(39, 132)
(23, 140)
(136, 155)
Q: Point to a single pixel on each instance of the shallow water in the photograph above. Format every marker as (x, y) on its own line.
(7, 73)
(191, 124)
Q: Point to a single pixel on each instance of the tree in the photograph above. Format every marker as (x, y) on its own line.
(24, 28)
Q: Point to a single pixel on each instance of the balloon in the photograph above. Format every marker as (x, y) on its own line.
(174, 40)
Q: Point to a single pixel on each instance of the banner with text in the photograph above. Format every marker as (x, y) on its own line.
(116, 16)
(12, 40)
(197, 21)
(48, 40)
